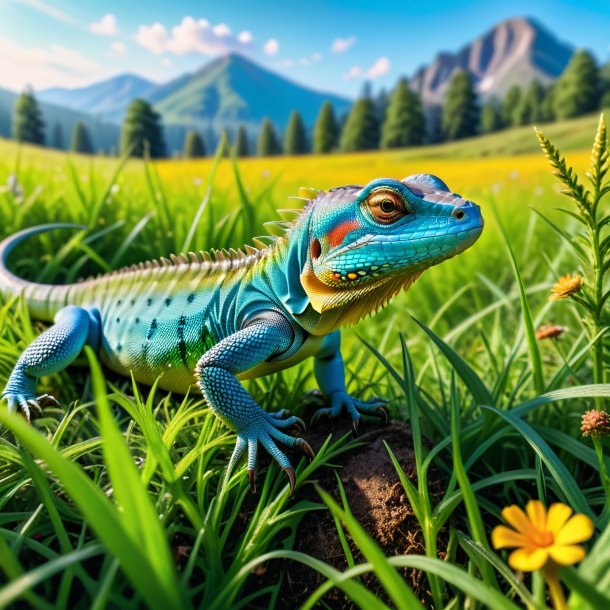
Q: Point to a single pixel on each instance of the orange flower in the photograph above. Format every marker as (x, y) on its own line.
(550, 331)
(566, 286)
(541, 537)
(595, 423)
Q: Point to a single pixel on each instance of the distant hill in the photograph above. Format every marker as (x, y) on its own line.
(514, 52)
(108, 98)
(104, 135)
(225, 92)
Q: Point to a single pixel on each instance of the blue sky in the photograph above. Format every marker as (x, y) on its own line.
(330, 45)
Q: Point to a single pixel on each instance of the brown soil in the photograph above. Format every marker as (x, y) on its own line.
(377, 500)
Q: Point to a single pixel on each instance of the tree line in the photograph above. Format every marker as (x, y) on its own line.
(390, 121)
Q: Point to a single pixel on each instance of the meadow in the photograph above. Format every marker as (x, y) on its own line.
(116, 498)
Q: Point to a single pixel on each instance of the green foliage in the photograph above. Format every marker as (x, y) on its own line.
(268, 143)
(242, 146)
(404, 123)
(460, 112)
(142, 131)
(326, 130)
(295, 140)
(361, 130)
(28, 124)
(80, 142)
(530, 108)
(511, 101)
(491, 118)
(578, 89)
(194, 147)
(58, 137)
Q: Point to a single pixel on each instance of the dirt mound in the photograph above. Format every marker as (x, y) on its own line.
(377, 500)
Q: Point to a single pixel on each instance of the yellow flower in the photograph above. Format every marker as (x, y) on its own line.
(566, 286)
(541, 537)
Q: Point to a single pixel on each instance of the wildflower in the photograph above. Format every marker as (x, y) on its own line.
(595, 423)
(542, 537)
(566, 286)
(550, 331)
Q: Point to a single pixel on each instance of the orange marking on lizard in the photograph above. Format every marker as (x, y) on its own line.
(338, 233)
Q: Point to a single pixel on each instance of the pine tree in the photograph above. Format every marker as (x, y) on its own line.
(460, 112)
(295, 140)
(578, 89)
(28, 124)
(529, 110)
(242, 147)
(194, 147)
(58, 137)
(81, 142)
(404, 124)
(361, 130)
(510, 102)
(326, 131)
(142, 130)
(547, 108)
(491, 118)
(268, 143)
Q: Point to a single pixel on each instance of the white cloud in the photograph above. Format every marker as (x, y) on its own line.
(50, 11)
(271, 47)
(221, 30)
(118, 49)
(355, 72)
(316, 57)
(379, 68)
(152, 37)
(106, 26)
(245, 37)
(191, 36)
(49, 67)
(340, 45)
(287, 63)
(166, 62)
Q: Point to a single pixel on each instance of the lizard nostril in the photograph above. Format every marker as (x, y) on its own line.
(315, 248)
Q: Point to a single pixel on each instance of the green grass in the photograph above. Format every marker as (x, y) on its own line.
(116, 498)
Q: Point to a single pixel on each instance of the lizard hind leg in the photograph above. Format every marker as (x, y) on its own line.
(51, 352)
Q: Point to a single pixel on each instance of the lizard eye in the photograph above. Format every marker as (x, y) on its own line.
(386, 206)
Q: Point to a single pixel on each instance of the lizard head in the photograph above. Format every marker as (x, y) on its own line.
(368, 243)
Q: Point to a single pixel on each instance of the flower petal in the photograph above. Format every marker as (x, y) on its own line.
(566, 555)
(558, 515)
(529, 559)
(578, 529)
(518, 519)
(503, 537)
(537, 513)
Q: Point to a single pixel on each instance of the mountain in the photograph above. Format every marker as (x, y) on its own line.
(104, 135)
(225, 92)
(514, 52)
(108, 98)
(232, 89)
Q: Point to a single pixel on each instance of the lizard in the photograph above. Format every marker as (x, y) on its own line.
(214, 319)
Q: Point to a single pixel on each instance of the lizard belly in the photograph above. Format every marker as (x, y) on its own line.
(165, 348)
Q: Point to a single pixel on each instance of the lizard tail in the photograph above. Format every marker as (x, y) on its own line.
(43, 300)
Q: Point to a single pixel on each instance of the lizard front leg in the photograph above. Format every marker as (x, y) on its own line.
(267, 336)
(50, 353)
(329, 371)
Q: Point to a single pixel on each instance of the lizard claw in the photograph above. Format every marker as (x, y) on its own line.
(356, 428)
(252, 479)
(306, 449)
(292, 476)
(46, 400)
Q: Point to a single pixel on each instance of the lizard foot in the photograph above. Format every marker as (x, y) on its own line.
(266, 429)
(25, 401)
(355, 408)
